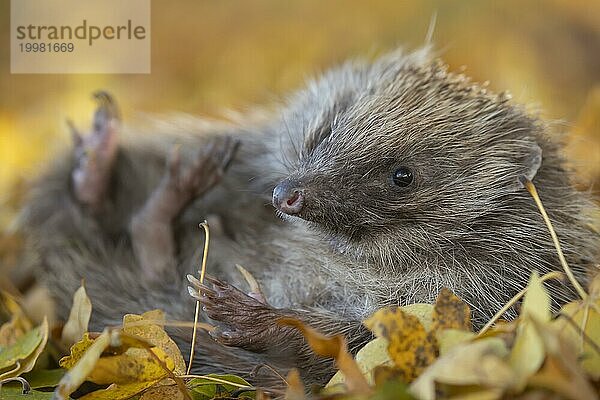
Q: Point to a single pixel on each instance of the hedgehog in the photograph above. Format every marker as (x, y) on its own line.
(377, 184)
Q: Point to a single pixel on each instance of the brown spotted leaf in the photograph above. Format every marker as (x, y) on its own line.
(450, 312)
(410, 346)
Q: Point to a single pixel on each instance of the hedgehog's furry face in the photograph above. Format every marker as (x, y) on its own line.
(412, 151)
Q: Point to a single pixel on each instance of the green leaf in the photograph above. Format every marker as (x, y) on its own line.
(15, 392)
(213, 385)
(21, 349)
(44, 378)
(392, 390)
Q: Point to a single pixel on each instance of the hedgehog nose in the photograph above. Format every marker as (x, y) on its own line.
(288, 197)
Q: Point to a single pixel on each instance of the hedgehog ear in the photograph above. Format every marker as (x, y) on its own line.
(529, 165)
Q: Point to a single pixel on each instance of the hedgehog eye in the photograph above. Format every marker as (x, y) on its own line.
(403, 177)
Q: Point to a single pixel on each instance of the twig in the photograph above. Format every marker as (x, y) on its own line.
(202, 273)
(24, 383)
(218, 380)
(511, 302)
(533, 192)
(270, 368)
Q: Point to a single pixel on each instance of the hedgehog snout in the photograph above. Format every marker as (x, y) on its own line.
(288, 197)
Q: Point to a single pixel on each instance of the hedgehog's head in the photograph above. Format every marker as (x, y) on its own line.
(402, 148)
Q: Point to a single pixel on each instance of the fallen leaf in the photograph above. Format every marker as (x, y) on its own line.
(536, 303)
(154, 333)
(481, 362)
(119, 392)
(44, 378)
(77, 351)
(423, 311)
(18, 323)
(579, 323)
(137, 366)
(211, 386)
(392, 390)
(79, 317)
(447, 339)
(16, 393)
(335, 347)
(160, 392)
(560, 372)
(450, 312)
(410, 346)
(81, 363)
(553, 376)
(21, 356)
(295, 387)
(372, 355)
(375, 353)
(528, 351)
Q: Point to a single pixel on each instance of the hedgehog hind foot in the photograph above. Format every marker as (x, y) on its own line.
(95, 154)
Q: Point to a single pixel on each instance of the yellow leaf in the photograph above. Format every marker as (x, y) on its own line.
(410, 347)
(119, 392)
(478, 363)
(81, 363)
(372, 355)
(77, 324)
(138, 365)
(154, 334)
(449, 338)
(135, 365)
(537, 301)
(77, 351)
(375, 353)
(528, 351)
(579, 323)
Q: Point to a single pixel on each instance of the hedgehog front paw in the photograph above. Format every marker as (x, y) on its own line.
(184, 182)
(245, 321)
(203, 173)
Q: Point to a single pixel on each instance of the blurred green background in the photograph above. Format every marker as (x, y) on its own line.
(211, 55)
